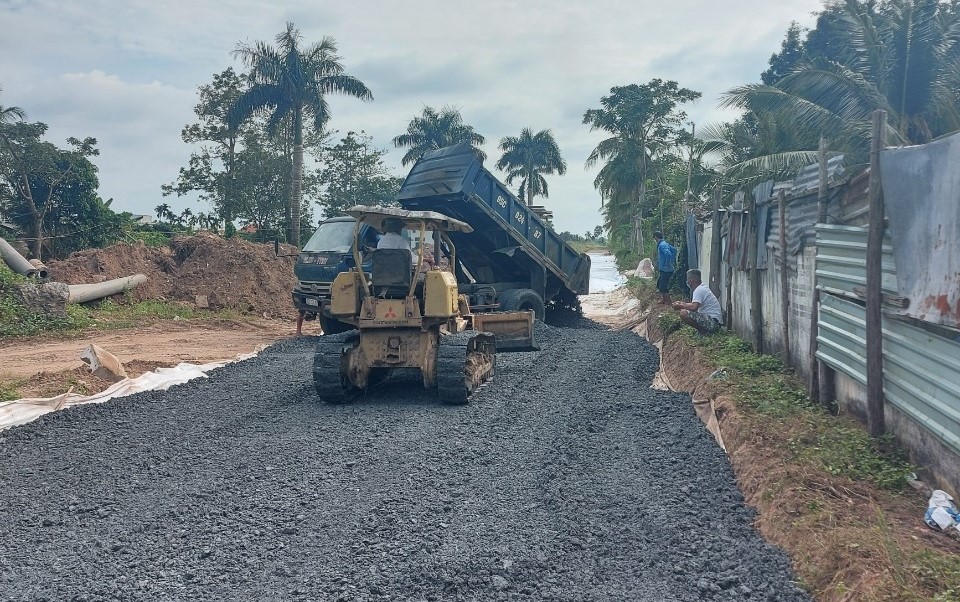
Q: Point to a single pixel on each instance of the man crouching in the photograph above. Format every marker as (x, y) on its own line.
(703, 312)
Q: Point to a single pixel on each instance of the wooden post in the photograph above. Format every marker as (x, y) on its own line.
(822, 191)
(784, 280)
(715, 246)
(756, 302)
(875, 421)
(821, 374)
(729, 284)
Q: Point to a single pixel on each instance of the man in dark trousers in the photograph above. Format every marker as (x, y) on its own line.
(666, 259)
(703, 312)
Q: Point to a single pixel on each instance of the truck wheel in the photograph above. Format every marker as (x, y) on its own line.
(522, 299)
(332, 325)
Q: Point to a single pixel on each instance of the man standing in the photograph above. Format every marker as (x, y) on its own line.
(703, 312)
(666, 258)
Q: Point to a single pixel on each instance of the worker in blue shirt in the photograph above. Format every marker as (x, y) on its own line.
(666, 260)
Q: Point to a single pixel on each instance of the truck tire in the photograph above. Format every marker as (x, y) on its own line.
(522, 299)
(332, 325)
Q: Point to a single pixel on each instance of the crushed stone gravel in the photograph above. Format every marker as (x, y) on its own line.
(567, 478)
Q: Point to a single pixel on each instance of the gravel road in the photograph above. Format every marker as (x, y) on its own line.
(566, 479)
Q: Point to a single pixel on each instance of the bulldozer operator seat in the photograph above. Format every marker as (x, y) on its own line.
(391, 273)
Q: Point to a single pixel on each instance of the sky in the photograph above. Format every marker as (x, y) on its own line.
(127, 72)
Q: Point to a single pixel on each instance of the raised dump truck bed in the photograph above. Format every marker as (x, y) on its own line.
(511, 246)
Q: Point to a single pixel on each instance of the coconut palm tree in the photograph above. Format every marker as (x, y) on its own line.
(290, 81)
(11, 114)
(434, 129)
(528, 157)
(903, 57)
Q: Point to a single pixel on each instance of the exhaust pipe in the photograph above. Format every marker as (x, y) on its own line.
(81, 293)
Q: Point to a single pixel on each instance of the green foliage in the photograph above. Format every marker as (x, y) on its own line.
(434, 129)
(151, 238)
(765, 386)
(528, 158)
(291, 82)
(849, 451)
(9, 390)
(938, 572)
(643, 173)
(354, 174)
(16, 320)
(50, 193)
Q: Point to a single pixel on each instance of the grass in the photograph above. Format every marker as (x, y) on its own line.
(9, 389)
(827, 492)
(107, 314)
(17, 320)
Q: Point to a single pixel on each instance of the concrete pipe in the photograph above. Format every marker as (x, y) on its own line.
(42, 272)
(81, 293)
(15, 260)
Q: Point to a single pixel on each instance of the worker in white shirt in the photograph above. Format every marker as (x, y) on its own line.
(392, 237)
(703, 312)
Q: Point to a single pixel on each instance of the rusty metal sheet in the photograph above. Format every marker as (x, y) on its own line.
(921, 195)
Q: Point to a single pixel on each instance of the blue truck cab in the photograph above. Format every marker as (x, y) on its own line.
(326, 254)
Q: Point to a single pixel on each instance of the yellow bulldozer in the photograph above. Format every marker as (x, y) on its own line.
(409, 315)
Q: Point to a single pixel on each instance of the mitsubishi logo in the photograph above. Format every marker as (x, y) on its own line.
(390, 313)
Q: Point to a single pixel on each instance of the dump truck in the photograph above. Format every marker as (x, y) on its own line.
(512, 260)
(326, 254)
(411, 318)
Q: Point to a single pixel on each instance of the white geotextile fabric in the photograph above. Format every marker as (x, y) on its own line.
(22, 411)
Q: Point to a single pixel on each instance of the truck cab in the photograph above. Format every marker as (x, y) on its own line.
(328, 253)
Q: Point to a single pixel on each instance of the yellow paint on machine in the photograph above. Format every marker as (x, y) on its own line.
(440, 294)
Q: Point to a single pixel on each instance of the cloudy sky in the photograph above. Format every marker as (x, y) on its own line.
(127, 72)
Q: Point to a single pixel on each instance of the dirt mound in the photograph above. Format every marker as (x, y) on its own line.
(234, 273)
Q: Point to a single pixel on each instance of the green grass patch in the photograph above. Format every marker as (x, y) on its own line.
(936, 571)
(151, 239)
(110, 314)
(17, 320)
(770, 390)
(9, 390)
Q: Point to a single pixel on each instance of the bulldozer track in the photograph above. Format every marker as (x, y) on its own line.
(454, 385)
(327, 374)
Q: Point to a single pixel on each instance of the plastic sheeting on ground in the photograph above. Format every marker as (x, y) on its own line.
(22, 411)
(921, 185)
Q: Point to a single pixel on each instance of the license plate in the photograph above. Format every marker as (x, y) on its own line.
(313, 302)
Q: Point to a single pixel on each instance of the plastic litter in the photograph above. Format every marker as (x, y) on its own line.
(942, 513)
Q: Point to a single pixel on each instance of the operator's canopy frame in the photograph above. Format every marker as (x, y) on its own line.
(430, 220)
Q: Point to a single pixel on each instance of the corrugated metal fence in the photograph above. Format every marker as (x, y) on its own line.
(921, 369)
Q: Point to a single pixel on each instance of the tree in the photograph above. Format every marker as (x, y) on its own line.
(895, 55)
(643, 122)
(41, 177)
(211, 170)
(783, 62)
(528, 157)
(289, 80)
(432, 130)
(354, 174)
(163, 211)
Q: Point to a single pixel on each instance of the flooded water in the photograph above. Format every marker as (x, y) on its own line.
(604, 276)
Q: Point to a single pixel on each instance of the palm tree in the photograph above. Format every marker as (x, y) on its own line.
(903, 58)
(432, 130)
(291, 81)
(162, 211)
(643, 122)
(11, 114)
(529, 157)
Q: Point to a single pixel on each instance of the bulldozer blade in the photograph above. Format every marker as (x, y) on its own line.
(513, 330)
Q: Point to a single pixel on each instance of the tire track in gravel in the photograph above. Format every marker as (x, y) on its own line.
(568, 478)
